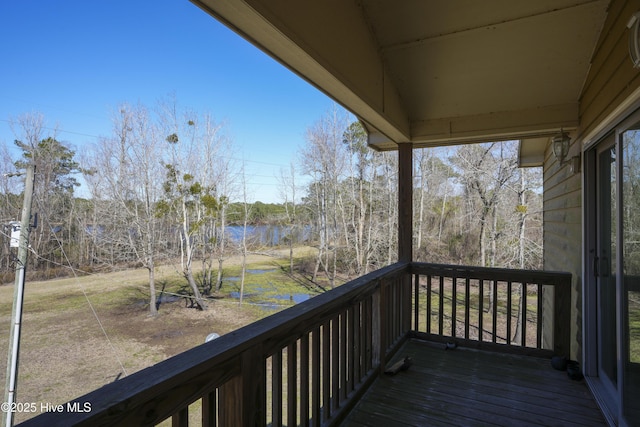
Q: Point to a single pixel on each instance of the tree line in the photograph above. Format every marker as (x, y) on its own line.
(164, 187)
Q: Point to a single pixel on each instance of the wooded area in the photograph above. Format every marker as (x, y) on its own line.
(165, 187)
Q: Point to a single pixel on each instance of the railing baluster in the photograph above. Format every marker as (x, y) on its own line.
(326, 370)
(454, 305)
(343, 357)
(480, 310)
(389, 309)
(335, 363)
(539, 317)
(292, 384)
(416, 302)
(378, 325)
(494, 320)
(351, 342)
(180, 418)
(315, 377)
(398, 292)
(441, 306)
(509, 312)
(304, 379)
(367, 338)
(524, 315)
(467, 303)
(276, 388)
(210, 409)
(358, 331)
(392, 310)
(429, 304)
(387, 303)
(405, 311)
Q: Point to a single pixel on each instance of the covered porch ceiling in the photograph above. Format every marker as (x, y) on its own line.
(434, 72)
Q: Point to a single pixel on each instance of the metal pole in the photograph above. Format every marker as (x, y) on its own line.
(18, 297)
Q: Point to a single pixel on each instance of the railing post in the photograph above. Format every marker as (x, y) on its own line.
(243, 398)
(562, 318)
(254, 385)
(230, 405)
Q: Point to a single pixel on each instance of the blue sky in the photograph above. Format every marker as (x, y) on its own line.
(75, 61)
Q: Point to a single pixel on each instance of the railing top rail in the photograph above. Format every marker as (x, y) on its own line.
(557, 278)
(188, 375)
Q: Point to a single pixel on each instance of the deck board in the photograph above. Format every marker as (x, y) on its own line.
(475, 388)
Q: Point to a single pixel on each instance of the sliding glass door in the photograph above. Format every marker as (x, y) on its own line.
(605, 269)
(612, 315)
(630, 271)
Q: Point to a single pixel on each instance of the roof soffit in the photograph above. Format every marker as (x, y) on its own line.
(433, 73)
(329, 44)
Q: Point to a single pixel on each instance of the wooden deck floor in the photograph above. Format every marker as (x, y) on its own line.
(465, 387)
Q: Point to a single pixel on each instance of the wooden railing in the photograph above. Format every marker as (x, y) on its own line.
(520, 311)
(305, 365)
(309, 364)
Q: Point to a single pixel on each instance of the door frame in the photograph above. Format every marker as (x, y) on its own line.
(609, 400)
(611, 405)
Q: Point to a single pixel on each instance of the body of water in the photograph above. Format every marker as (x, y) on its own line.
(270, 235)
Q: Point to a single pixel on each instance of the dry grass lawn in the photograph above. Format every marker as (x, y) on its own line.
(64, 351)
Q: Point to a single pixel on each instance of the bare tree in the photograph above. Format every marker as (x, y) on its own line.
(126, 187)
(246, 212)
(324, 159)
(433, 204)
(198, 174)
(225, 190)
(524, 210)
(183, 193)
(288, 192)
(485, 170)
(357, 205)
(214, 152)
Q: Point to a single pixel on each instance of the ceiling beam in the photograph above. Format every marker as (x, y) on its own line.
(499, 126)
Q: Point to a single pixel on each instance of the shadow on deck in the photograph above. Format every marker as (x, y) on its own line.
(473, 387)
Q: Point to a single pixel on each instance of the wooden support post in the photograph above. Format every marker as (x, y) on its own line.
(405, 203)
(405, 226)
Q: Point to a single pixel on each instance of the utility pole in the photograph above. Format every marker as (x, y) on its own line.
(18, 298)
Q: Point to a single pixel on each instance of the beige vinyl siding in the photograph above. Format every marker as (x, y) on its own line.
(610, 82)
(562, 206)
(612, 78)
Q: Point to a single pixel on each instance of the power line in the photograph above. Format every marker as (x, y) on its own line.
(12, 122)
(86, 296)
